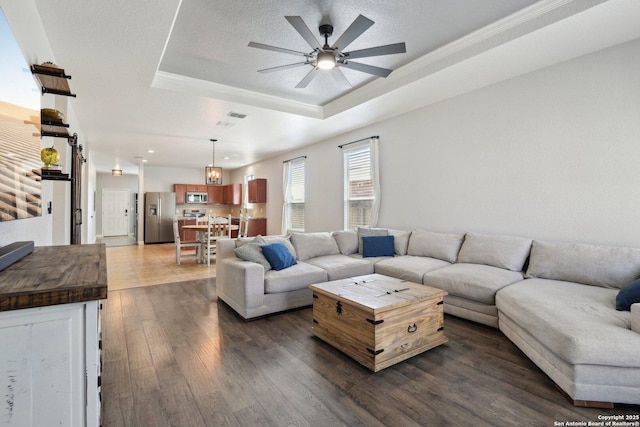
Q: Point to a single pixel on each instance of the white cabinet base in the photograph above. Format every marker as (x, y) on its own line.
(49, 365)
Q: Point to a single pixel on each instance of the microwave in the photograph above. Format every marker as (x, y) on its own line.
(195, 197)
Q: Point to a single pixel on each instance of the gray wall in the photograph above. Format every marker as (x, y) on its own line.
(550, 155)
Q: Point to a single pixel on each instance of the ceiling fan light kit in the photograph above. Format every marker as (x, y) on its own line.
(331, 57)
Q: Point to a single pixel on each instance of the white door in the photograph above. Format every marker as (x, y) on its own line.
(115, 212)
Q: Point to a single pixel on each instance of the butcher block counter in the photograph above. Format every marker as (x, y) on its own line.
(55, 275)
(51, 336)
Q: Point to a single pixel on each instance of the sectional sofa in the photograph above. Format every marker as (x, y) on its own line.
(555, 301)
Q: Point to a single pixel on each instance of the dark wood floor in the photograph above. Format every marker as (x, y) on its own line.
(172, 357)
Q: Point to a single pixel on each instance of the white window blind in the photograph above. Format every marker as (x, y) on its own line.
(293, 212)
(359, 191)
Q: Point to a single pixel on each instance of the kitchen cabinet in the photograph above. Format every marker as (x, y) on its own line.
(197, 188)
(233, 194)
(181, 193)
(257, 226)
(257, 189)
(187, 235)
(216, 194)
(51, 336)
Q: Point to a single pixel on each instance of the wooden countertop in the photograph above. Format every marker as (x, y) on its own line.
(55, 275)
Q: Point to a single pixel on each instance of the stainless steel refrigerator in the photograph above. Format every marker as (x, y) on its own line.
(159, 210)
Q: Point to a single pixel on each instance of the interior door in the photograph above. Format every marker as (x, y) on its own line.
(115, 212)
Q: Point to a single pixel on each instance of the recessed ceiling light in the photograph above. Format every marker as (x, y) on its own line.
(144, 160)
(150, 151)
(226, 157)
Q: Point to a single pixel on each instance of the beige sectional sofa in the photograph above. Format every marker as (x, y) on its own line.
(555, 301)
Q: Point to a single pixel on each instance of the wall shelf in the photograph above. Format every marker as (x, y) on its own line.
(53, 80)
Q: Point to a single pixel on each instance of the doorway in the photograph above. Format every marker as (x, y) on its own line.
(115, 211)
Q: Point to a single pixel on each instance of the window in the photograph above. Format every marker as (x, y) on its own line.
(293, 188)
(361, 193)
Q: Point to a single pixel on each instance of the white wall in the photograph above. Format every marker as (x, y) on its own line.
(553, 154)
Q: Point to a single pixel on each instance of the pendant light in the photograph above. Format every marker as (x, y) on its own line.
(212, 174)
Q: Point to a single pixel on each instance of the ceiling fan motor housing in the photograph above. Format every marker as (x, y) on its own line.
(326, 30)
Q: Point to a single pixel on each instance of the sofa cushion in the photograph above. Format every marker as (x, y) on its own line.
(408, 267)
(606, 266)
(252, 251)
(578, 323)
(627, 296)
(285, 240)
(311, 245)
(298, 276)
(400, 240)
(278, 255)
(435, 245)
(635, 318)
(476, 282)
(498, 251)
(364, 231)
(342, 266)
(347, 241)
(375, 246)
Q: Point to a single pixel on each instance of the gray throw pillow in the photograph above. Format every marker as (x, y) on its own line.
(252, 251)
(347, 241)
(362, 232)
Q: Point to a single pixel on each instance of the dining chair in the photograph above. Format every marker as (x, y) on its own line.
(180, 245)
(218, 227)
(243, 226)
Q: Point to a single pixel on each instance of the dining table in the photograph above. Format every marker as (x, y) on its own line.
(202, 229)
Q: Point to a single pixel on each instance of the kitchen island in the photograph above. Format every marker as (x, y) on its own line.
(51, 336)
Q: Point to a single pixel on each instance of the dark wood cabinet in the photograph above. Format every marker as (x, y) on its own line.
(197, 188)
(181, 193)
(233, 194)
(187, 235)
(216, 194)
(230, 194)
(257, 226)
(257, 189)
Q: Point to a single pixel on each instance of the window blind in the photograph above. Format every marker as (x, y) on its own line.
(358, 186)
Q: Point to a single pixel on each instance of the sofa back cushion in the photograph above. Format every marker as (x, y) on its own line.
(435, 245)
(366, 231)
(347, 241)
(400, 240)
(606, 266)
(311, 245)
(506, 252)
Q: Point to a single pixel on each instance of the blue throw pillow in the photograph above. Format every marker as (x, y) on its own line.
(627, 296)
(278, 256)
(377, 246)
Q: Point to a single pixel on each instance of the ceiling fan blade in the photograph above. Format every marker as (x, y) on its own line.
(364, 68)
(283, 67)
(355, 30)
(389, 49)
(304, 31)
(307, 79)
(340, 78)
(277, 49)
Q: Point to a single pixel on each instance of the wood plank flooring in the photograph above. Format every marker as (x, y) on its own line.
(172, 357)
(144, 265)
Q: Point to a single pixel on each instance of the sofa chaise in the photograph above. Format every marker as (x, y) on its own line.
(555, 301)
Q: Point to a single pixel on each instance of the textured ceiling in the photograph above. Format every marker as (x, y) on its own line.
(165, 77)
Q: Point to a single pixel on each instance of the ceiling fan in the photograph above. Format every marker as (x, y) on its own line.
(331, 57)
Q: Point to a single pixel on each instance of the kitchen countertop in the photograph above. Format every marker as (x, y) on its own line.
(55, 275)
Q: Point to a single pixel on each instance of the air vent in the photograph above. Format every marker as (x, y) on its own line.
(225, 124)
(237, 115)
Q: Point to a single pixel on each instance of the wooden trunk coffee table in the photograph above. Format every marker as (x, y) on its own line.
(378, 320)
